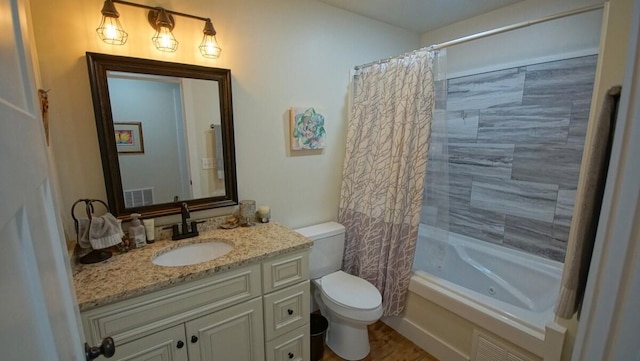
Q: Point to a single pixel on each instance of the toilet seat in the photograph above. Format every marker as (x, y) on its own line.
(350, 292)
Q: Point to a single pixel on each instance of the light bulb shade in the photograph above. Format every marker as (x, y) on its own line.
(163, 22)
(209, 47)
(164, 40)
(110, 31)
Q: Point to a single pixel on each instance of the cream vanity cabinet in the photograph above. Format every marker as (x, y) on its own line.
(286, 307)
(254, 313)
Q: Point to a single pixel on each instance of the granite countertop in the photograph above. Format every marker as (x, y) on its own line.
(133, 274)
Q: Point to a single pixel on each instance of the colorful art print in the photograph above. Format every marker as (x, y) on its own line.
(307, 129)
(128, 137)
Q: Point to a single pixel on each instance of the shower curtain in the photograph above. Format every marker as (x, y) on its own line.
(384, 170)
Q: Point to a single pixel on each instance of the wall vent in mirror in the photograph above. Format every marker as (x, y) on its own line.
(138, 197)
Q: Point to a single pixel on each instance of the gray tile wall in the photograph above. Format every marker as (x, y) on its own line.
(515, 144)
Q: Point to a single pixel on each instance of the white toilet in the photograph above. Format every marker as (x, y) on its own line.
(348, 302)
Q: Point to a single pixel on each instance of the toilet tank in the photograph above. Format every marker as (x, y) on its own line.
(327, 250)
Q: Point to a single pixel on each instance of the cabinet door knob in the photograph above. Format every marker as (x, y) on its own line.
(180, 344)
(107, 348)
(290, 312)
(194, 339)
(291, 355)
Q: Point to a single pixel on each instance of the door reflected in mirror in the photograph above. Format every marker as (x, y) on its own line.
(166, 134)
(182, 137)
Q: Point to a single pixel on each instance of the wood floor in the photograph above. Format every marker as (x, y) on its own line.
(387, 345)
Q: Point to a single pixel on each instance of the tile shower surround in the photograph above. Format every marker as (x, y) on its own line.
(515, 145)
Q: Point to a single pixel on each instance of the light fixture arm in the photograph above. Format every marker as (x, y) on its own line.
(108, 9)
(171, 12)
(160, 17)
(208, 28)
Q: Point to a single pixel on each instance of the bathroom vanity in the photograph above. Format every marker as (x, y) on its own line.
(250, 304)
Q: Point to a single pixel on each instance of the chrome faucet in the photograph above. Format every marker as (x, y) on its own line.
(185, 232)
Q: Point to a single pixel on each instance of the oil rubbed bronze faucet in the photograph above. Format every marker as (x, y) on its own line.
(185, 232)
(184, 211)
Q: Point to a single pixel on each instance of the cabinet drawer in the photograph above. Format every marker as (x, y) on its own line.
(140, 316)
(285, 271)
(286, 310)
(292, 346)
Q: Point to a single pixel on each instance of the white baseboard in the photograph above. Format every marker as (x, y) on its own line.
(425, 340)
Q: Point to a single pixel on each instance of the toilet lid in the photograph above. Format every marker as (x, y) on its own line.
(351, 291)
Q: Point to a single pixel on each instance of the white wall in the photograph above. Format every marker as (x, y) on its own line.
(281, 53)
(572, 36)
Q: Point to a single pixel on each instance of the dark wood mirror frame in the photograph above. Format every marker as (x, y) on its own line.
(99, 65)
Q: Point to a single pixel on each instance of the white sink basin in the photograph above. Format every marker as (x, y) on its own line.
(193, 253)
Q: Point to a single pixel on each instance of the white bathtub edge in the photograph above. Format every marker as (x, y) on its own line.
(425, 340)
(529, 339)
(554, 341)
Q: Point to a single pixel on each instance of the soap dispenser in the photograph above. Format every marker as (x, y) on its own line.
(136, 231)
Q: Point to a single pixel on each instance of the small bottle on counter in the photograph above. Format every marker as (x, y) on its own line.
(136, 232)
(149, 226)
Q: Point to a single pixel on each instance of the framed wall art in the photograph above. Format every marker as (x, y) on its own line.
(307, 128)
(129, 138)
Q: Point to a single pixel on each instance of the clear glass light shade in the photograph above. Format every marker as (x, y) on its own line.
(209, 47)
(110, 31)
(164, 40)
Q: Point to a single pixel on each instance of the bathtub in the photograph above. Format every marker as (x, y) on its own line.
(518, 285)
(507, 292)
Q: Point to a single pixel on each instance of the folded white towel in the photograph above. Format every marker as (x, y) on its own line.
(100, 232)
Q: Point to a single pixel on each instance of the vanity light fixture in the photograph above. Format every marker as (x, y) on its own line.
(110, 31)
(209, 47)
(162, 20)
(163, 39)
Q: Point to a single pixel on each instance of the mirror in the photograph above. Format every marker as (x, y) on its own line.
(166, 135)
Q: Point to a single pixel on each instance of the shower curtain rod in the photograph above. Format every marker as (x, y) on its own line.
(487, 33)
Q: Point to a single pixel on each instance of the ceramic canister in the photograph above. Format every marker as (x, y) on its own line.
(247, 212)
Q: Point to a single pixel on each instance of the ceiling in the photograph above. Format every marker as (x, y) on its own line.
(419, 15)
